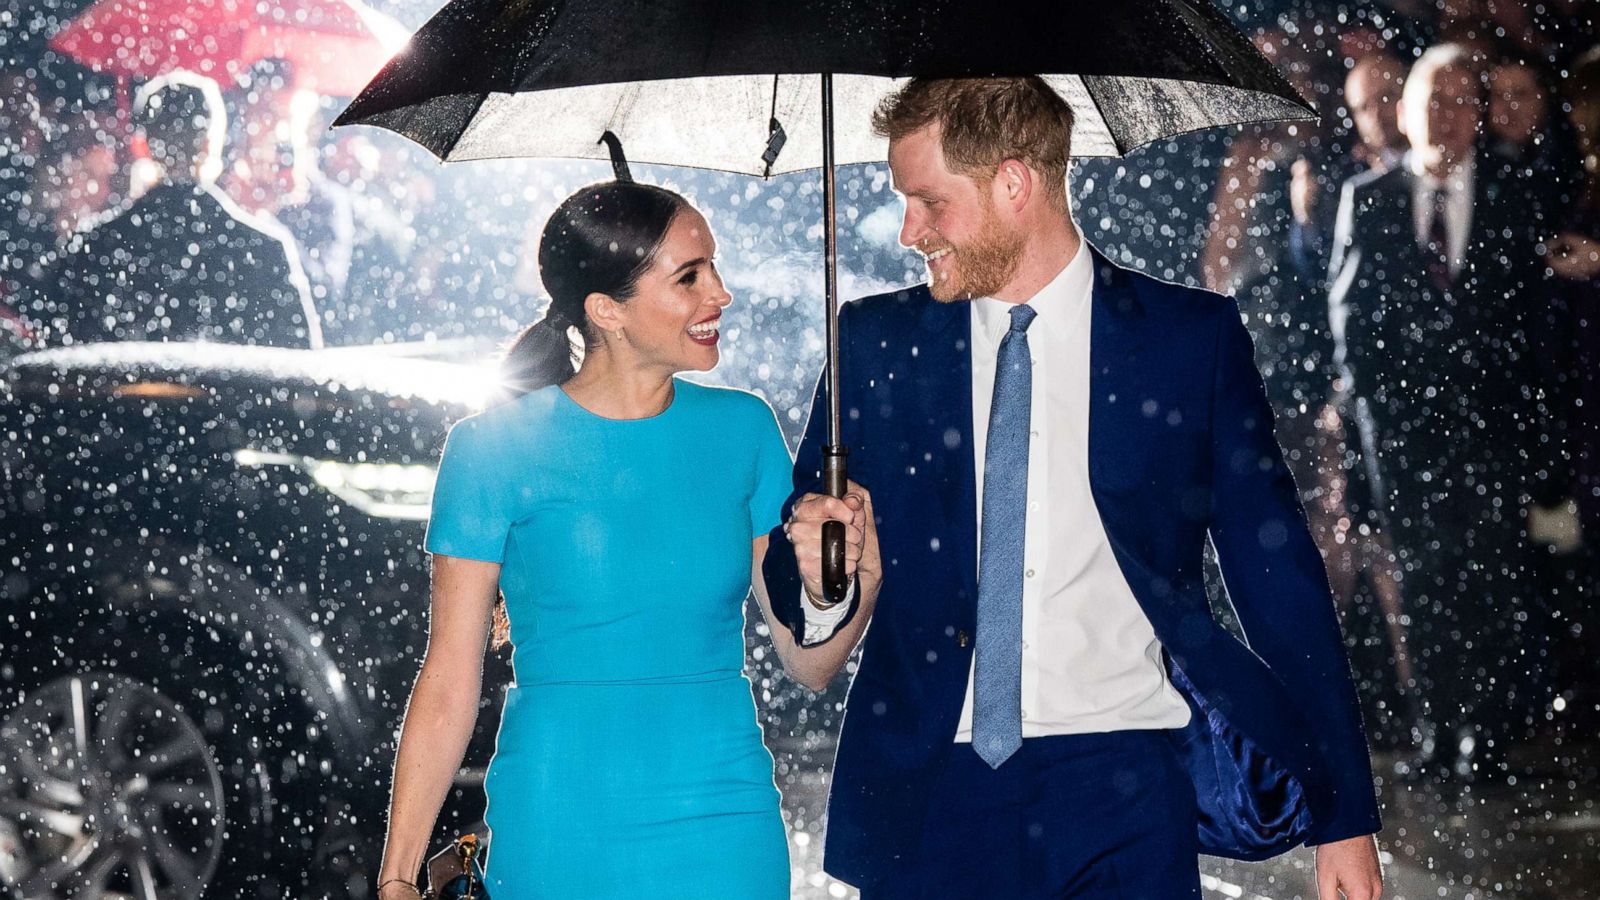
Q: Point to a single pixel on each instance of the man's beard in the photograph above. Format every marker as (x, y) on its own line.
(981, 267)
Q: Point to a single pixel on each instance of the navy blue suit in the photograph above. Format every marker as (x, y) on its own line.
(1181, 445)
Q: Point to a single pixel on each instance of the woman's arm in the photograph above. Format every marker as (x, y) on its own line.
(816, 665)
(439, 718)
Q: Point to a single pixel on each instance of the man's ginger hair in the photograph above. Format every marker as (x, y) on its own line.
(985, 121)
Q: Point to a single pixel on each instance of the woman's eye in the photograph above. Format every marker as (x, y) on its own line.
(689, 278)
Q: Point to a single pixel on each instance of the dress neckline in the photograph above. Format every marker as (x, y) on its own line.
(586, 412)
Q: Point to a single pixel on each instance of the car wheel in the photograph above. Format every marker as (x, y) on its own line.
(149, 755)
(111, 789)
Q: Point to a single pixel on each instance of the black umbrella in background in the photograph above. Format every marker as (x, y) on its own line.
(753, 86)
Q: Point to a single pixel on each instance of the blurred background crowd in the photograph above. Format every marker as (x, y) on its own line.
(1421, 271)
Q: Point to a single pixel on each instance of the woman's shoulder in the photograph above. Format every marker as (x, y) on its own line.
(719, 400)
(513, 420)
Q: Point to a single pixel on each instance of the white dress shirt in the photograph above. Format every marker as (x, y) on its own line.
(1459, 187)
(1090, 658)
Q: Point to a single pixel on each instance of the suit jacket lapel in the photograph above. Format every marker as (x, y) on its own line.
(943, 364)
(1115, 368)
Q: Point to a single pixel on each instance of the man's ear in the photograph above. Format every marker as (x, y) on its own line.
(1014, 185)
(605, 312)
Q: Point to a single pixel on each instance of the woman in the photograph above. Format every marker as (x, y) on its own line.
(624, 514)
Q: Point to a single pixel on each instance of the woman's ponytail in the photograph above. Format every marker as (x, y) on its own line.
(543, 354)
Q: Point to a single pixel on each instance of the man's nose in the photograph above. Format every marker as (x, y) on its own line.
(911, 229)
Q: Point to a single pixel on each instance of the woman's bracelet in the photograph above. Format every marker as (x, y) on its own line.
(409, 884)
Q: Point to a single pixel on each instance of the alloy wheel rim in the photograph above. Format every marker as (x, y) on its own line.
(107, 790)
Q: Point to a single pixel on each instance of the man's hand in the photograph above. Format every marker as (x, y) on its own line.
(1574, 256)
(1349, 869)
(1303, 191)
(804, 529)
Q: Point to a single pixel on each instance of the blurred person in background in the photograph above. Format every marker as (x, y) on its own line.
(1271, 213)
(274, 171)
(384, 238)
(1574, 341)
(78, 178)
(1527, 142)
(182, 262)
(1372, 97)
(23, 235)
(1432, 280)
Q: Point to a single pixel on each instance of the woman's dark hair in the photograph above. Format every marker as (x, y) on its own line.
(599, 240)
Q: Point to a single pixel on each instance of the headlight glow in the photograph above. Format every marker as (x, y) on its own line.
(381, 490)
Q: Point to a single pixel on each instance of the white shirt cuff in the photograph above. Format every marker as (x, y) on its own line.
(822, 624)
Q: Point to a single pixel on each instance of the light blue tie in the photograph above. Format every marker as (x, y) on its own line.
(997, 678)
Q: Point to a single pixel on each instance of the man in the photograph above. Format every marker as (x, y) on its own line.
(1045, 706)
(1435, 278)
(275, 174)
(182, 262)
(1372, 95)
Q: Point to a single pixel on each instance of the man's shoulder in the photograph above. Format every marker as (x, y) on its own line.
(903, 302)
(1164, 298)
(1379, 183)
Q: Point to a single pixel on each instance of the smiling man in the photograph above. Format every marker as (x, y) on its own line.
(1045, 706)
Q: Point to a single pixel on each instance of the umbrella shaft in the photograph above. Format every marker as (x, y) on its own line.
(830, 263)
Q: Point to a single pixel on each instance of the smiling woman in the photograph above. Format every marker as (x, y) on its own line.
(608, 521)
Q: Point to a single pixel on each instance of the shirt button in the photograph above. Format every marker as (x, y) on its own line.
(1034, 432)
(1024, 714)
(1024, 645)
(1034, 506)
(1029, 573)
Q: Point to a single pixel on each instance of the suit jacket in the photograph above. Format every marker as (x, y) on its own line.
(1447, 380)
(1181, 446)
(183, 263)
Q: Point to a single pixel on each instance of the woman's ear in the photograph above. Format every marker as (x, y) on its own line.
(605, 312)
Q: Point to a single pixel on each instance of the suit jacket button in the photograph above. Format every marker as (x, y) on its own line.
(961, 638)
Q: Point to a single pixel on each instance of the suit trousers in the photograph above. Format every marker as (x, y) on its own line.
(1108, 816)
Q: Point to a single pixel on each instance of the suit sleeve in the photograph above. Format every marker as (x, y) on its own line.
(1276, 581)
(1346, 319)
(779, 568)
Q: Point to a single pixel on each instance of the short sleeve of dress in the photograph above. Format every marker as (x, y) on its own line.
(774, 472)
(470, 517)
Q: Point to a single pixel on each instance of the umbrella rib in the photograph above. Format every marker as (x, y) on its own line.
(477, 108)
(626, 99)
(1116, 139)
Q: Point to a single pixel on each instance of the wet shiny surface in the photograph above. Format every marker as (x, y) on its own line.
(1452, 842)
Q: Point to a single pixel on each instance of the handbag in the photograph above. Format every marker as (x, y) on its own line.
(454, 873)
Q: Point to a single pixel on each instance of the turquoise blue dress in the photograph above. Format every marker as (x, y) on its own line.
(629, 762)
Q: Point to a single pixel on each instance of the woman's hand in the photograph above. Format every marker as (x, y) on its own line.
(439, 716)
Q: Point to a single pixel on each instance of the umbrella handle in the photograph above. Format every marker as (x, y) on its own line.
(835, 481)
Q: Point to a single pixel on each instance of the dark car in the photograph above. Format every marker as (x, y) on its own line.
(213, 603)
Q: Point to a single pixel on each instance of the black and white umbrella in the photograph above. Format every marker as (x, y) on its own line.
(766, 87)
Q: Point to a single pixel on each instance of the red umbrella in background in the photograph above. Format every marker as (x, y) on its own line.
(334, 46)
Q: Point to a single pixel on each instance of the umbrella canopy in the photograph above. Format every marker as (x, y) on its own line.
(335, 46)
(733, 85)
(699, 82)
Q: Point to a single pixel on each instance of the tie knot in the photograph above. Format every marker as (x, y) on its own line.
(1021, 317)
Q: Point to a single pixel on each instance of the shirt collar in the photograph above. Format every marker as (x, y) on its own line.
(1458, 182)
(1056, 301)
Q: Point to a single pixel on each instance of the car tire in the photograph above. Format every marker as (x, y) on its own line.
(150, 750)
